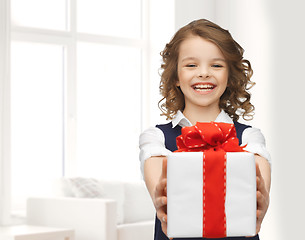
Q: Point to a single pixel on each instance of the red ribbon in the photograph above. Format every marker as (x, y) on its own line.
(214, 139)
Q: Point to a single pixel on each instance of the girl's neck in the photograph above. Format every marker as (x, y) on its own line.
(201, 114)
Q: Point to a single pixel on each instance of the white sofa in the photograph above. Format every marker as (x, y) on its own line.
(96, 209)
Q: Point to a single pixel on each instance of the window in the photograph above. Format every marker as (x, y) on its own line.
(52, 14)
(76, 77)
(36, 118)
(118, 18)
(108, 110)
(76, 90)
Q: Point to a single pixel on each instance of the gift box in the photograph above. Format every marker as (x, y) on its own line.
(211, 184)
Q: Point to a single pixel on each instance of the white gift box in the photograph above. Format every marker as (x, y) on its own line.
(185, 198)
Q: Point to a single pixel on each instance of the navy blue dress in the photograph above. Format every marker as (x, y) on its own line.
(170, 135)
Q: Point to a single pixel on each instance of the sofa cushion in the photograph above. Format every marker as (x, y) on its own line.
(138, 205)
(85, 187)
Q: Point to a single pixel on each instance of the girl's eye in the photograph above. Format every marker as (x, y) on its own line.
(217, 66)
(191, 65)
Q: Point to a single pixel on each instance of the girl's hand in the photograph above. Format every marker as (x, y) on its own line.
(160, 198)
(262, 196)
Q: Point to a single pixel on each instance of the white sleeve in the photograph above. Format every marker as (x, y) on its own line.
(151, 143)
(256, 143)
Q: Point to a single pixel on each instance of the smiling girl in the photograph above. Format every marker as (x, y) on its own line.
(205, 78)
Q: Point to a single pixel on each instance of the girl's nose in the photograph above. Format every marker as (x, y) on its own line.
(203, 73)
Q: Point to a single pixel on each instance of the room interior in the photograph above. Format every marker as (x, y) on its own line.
(53, 167)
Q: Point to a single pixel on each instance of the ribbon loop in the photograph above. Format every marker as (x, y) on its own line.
(207, 135)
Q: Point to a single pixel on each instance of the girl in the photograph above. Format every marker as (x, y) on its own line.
(205, 78)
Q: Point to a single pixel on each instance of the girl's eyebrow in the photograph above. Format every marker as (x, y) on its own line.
(219, 59)
(189, 58)
(194, 58)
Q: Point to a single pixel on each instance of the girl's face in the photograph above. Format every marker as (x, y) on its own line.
(202, 72)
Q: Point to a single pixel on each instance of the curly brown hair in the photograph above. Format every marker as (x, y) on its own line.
(235, 101)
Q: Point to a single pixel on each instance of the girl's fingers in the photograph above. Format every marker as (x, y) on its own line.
(259, 198)
(161, 189)
(161, 186)
(258, 171)
(259, 214)
(164, 224)
(164, 227)
(161, 197)
(164, 219)
(262, 201)
(260, 183)
(162, 216)
(262, 198)
(160, 202)
(258, 228)
(164, 168)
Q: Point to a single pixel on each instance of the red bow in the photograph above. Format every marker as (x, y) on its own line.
(207, 135)
(214, 140)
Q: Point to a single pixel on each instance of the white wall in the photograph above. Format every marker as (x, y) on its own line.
(271, 32)
(189, 10)
(287, 98)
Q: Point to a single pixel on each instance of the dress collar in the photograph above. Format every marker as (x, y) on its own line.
(182, 121)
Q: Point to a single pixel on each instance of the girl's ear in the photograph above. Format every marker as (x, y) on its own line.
(177, 83)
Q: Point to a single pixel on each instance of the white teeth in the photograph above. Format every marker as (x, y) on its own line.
(202, 90)
(203, 87)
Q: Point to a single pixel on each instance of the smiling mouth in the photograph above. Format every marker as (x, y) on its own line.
(203, 87)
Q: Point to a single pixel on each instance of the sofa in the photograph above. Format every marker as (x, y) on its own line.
(96, 209)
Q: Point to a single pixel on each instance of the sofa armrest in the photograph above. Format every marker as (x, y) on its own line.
(93, 219)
